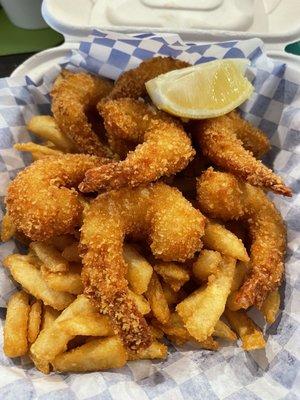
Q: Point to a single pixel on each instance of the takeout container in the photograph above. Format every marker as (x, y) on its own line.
(276, 22)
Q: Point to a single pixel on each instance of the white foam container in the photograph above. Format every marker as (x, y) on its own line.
(276, 22)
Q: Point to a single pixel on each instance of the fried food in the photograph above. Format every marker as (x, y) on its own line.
(253, 139)
(202, 309)
(250, 334)
(15, 328)
(27, 274)
(41, 200)
(132, 83)
(46, 128)
(223, 196)
(96, 355)
(224, 146)
(163, 147)
(146, 212)
(74, 95)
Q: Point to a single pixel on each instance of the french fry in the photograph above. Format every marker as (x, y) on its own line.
(217, 237)
(209, 303)
(96, 355)
(45, 127)
(173, 274)
(61, 241)
(49, 316)
(80, 318)
(223, 331)
(240, 273)
(270, 306)
(171, 296)
(69, 282)
(157, 333)
(35, 148)
(37, 155)
(50, 256)
(251, 336)
(15, 328)
(208, 344)
(34, 321)
(32, 281)
(206, 264)
(157, 300)
(89, 324)
(8, 228)
(175, 328)
(71, 253)
(139, 270)
(140, 302)
(186, 307)
(156, 350)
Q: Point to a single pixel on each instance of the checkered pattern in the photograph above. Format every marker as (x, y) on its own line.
(188, 373)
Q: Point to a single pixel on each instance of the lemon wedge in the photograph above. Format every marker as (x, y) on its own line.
(202, 91)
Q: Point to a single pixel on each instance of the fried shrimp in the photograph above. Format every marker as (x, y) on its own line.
(42, 201)
(226, 141)
(132, 83)
(146, 212)
(163, 146)
(253, 139)
(223, 196)
(74, 95)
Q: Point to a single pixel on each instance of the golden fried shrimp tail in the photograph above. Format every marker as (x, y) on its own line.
(132, 83)
(163, 146)
(73, 96)
(41, 200)
(221, 142)
(146, 212)
(221, 195)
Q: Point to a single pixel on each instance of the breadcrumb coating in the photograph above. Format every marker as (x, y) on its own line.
(41, 200)
(221, 195)
(221, 142)
(157, 213)
(73, 95)
(132, 83)
(253, 139)
(163, 147)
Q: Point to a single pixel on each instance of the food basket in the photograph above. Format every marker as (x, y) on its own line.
(187, 373)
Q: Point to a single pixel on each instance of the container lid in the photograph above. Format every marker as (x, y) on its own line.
(275, 21)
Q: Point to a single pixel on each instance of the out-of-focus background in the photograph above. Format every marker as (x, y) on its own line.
(23, 31)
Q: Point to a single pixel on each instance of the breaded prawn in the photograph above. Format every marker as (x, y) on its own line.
(221, 195)
(132, 83)
(143, 213)
(253, 139)
(41, 200)
(221, 142)
(164, 148)
(73, 96)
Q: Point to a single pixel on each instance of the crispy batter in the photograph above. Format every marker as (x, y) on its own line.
(164, 147)
(146, 212)
(222, 195)
(220, 141)
(132, 83)
(253, 139)
(73, 96)
(41, 201)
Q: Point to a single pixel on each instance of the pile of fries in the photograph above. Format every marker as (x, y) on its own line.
(52, 321)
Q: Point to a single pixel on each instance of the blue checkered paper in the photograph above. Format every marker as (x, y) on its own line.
(188, 373)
